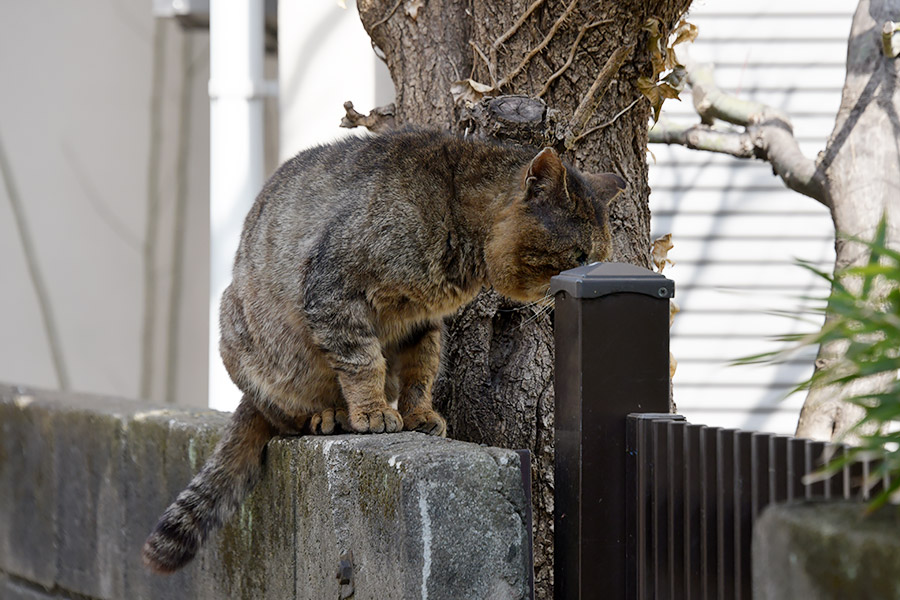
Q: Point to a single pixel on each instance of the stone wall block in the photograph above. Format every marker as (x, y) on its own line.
(88, 455)
(165, 449)
(84, 479)
(27, 489)
(826, 550)
(426, 517)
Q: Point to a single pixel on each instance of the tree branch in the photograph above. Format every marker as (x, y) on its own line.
(702, 137)
(768, 133)
(379, 119)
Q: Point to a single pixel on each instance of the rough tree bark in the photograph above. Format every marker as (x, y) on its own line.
(583, 59)
(857, 176)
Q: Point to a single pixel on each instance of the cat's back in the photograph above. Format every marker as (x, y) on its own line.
(345, 185)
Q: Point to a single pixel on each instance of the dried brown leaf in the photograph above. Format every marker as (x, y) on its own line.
(659, 252)
(468, 90)
(652, 27)
(655, 46)
(412, 7)
(674, 309)
(684, 32)
(652, 93)
(667, 91)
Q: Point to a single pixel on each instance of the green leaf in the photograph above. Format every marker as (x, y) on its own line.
(885, 495)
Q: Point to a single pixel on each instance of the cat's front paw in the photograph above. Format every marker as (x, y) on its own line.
(427, 421)
(329, 421)
(378, 420)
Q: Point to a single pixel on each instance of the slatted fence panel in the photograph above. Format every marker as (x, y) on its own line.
(695, 492)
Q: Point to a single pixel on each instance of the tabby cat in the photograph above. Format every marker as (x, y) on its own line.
(350, 258)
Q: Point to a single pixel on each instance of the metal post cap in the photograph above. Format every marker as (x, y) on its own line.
(600, 279)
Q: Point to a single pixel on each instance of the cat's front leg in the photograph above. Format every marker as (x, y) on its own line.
(340, 322)
(363, 389)
(355, 355)
(418, 362)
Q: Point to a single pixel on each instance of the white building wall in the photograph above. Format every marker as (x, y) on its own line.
(76, 127)
(737, 230)
(325, 59)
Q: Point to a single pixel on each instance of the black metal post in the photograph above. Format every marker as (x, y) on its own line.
(612, 359)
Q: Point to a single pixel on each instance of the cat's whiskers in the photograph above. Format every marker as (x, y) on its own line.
(538, 302)
(544, 307)
(544, 310)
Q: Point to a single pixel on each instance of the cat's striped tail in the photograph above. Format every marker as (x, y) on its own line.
(213, 494)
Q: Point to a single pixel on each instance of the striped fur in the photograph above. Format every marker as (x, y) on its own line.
(213, 495)
(350, 258)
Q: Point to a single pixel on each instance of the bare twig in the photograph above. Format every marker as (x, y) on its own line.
(768, 133)
(534, 51)
(34, 272)
(588, 132)
(488, 63)
(153, 200)
(386, 17)
(702, 137)
(593, 96)
(512, 30)
(379, 119)
(890, 39)
(584, 29)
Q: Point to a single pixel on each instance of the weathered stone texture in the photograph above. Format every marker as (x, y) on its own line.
(826, 551)
(83, 480)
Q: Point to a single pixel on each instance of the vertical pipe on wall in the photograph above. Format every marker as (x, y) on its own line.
(236, 91)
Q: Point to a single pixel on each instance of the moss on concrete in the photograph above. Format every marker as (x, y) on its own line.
(83, 480)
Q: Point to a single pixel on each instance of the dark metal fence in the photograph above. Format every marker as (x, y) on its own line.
(693, 493)
(646, 504)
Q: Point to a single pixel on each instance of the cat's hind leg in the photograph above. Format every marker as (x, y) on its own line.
(330, 421)
(418, 362)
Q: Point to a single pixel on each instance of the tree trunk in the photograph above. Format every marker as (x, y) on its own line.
(497, 382)
(861, 164)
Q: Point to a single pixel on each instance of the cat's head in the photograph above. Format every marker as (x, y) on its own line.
(557, 220)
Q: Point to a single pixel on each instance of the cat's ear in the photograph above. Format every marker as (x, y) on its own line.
(546, 172)
(607, 186)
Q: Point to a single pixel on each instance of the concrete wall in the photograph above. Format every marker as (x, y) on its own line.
(84, 478)
(87, 158)
(75, 121)
(827, 551)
